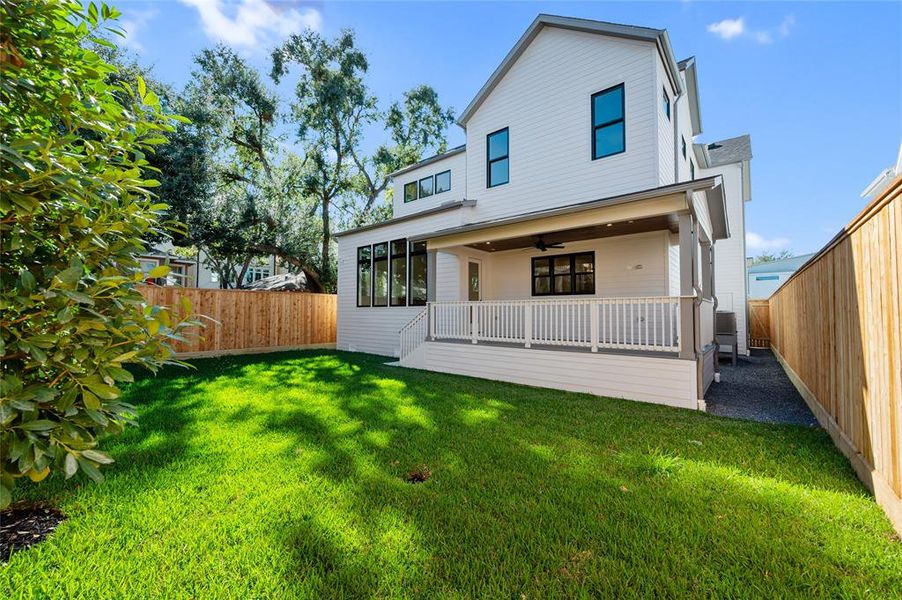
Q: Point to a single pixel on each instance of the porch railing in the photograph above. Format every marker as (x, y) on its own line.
(414, 333)
(650, 323)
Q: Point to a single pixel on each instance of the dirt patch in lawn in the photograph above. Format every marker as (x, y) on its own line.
(25, 525)
(419, 474)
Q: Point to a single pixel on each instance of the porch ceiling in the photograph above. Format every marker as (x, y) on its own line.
(563, 236)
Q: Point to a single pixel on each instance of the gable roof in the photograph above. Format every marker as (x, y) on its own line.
(779, 266)
(731, 150)
(695, 110)
(431, 159)
(646, 34)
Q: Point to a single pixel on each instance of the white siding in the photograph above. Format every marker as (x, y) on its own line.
(634, 265)
(667, 381)
(544, 100)
(761, 289)
(457, 163)
(375, 329)
(447, 277)
(663, 124)
(729, 255)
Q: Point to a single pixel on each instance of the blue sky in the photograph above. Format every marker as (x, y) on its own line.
(817, 85)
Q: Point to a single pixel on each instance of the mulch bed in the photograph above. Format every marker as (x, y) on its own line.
(22, 526)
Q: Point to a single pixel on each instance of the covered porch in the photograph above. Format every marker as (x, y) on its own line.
(614, 297)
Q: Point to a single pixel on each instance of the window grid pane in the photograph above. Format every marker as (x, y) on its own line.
(410, 191)
(443, 182)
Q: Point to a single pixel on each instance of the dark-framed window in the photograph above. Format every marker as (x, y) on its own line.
(497, 167)
(563, 274)
(398, 260)
(691, 170)
(443, 182)
(666, 100)
(426, 187)
(364, 276)
(380, 274)
(417, 283)
(410, 191)
(608, 122)
(683, 146)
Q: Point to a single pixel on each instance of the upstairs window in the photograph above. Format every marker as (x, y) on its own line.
(562, 275)
(426, 187)
(666, 105)
(608, 123)
(380, 274)
(497, 161)
(417, 282)
(410, 191)
(399, 273)
(683, 146)
(443, 182)
(364, 276)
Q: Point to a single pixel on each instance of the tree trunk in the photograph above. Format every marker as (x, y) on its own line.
(326, 238)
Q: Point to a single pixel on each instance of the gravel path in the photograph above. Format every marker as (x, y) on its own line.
(757, 389)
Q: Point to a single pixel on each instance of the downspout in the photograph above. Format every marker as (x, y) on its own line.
(716, 342)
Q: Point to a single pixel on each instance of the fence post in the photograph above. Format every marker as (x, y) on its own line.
(527, 324)
(430, 315)
(474, 322)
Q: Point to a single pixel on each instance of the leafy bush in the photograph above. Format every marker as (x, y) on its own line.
(74, 210)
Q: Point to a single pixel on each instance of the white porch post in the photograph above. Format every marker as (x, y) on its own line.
(687, 293)
(527, 324)
(474, 322)
(431, 265)
(593, 324)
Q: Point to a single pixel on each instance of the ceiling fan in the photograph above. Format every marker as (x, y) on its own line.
(543, 246)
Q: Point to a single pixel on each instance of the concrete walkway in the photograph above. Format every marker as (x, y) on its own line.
(757, 389)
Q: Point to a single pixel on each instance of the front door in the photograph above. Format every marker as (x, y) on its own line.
(474, 280)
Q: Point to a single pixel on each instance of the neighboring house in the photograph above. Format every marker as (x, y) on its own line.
(886, 176)
(194, 272)
(576, 241)
(765, 278)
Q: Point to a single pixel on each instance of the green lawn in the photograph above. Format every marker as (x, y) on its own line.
(284, 476)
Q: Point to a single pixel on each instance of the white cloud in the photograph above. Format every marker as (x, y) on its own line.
(757, 243)
(786, 24)
(249, 23)
(133, 23)
(728, 28)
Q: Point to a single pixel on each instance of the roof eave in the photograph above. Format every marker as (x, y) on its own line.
(429, 161)
(695, 108)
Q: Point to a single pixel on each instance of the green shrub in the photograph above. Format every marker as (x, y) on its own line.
(74, 210)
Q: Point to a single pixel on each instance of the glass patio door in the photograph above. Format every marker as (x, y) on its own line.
(474, 280)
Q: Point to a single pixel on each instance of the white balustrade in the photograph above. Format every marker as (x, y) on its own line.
(649, 323)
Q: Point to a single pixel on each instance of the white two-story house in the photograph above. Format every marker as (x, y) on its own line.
(579, 240)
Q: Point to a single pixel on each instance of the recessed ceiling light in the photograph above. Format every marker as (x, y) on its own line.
(610, 224)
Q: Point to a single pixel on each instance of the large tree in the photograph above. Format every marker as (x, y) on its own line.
(330, 108)
(256, 201)
(75, 209)
(416, 128)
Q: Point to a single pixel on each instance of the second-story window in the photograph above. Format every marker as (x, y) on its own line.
(498, 159)
(683, 146)
(608, 122)
(666, 103)
(410, 191)
(443, 182)
(426, 187)
(691, 170)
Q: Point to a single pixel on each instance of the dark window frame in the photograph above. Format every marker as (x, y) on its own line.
(683, 146)
(666, 102)
(410, 254)
(388, 275)
(430, 178)
(489, 161)
(572, 256)
(435, 184)
(622, 119)
(391, 268)
(691, 170)
(367, 262)
(416, 188)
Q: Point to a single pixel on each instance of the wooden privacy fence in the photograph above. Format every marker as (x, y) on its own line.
(249, 321)
(835, 327)
(759, 323)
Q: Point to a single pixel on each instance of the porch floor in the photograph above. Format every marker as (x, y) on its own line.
(757, 389)
(620, 351)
